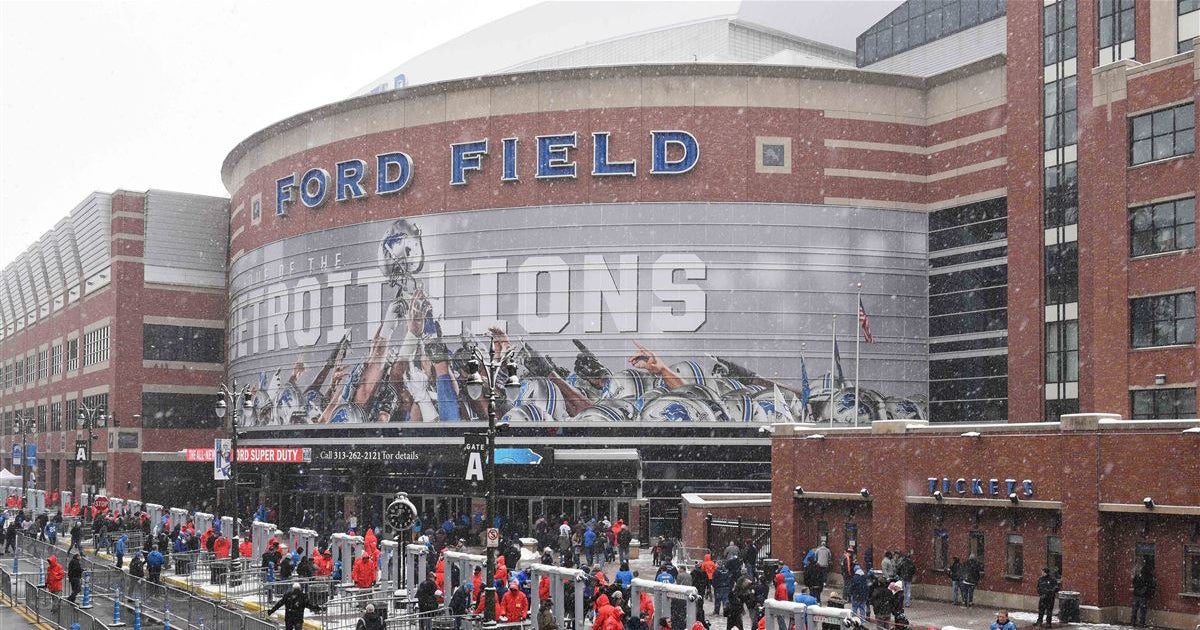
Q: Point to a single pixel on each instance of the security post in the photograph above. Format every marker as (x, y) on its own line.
(662, 594)
(155, 512)
(416, 563)
(389, 561)
(260, 534)
(178, 517)
(300, 538)
(203, 521)
(558, 577)
(134, 506)
(465, 563)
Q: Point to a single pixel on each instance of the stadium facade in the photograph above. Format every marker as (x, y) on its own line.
(1012, 200)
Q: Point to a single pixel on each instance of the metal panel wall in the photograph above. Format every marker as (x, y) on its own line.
(49, 251)
(186, 237)
(92, 221)
(68, 252)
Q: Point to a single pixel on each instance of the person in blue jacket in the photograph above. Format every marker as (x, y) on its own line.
(806, 598)
(154, 565)
(789, 580)
(589, 543)
(119, 549)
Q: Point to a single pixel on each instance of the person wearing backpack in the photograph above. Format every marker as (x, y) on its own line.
(370, 620)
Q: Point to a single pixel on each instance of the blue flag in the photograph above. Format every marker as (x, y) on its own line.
(805, 389)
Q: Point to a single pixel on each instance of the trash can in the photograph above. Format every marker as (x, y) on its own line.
(183, 565)
(1068, 606)
(635, 549)
(218, 571)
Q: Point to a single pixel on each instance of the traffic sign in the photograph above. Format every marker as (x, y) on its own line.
(101, 503)
(517, 456)
(401, 514)
(493, 537)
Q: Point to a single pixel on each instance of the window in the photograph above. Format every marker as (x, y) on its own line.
(43, 364)
(1143, 556)
(975, 546)
(1061, 195)
(1062, 273)
(19, 372)
(1014, 556)
(1056, 409)
(1058, 32)
(1054, 559)
(178, 411)
(822, 532)
(941, 550)
(1163, 227)
(72, 355)
(30, 370)
(1062, 352)
(1191, 569)
(182, 343)
(1162, 134)
(56, 416)
(56, 355)
(71, 411)
(42, 415)
(1163, 320)
(6, 376)
(97, 403)
(1060, 113)
(1188, 23)
(95, 346)
(1116, 27)
(851, 532)
(1164, 404)
(7, 428)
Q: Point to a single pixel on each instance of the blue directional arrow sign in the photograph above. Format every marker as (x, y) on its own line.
(517, 456)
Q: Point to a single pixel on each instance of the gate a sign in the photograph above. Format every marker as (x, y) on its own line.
(475, 448)
(81, 451)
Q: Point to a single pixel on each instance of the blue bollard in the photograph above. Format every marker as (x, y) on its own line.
(117, 609)
(75, 626)
(87, 590)
(41, 572)
(201, 626)
(137, 616)
(167, 616)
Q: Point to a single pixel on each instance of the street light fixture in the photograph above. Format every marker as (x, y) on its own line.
(89, 419)
(24, 426)
(496, 370)
(238, 398)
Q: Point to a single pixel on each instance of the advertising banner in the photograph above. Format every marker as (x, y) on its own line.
(222, 459)
(623, 312)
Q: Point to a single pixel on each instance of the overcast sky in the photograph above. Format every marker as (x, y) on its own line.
(154, 94)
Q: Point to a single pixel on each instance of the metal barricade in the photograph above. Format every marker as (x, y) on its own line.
(559, 578)
(662, 594)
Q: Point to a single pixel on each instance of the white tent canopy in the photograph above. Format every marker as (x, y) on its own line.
(9, 479)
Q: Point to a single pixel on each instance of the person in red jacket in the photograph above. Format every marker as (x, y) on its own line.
(54, 575)
(246, 548)
(363, 572)
(780, 588)
(439, 574)
(515, 606)
(543, 588)
(221, 547)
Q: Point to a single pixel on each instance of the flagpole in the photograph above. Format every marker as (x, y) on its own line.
(803, 379)
(832, 373)
(857, 338)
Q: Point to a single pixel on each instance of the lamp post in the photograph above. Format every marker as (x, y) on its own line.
(244, 400)
(491, 371)
(24, 426)
(89, 419)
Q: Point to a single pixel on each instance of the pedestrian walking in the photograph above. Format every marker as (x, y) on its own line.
(294, 604)
(1144, 586)
(75, 576)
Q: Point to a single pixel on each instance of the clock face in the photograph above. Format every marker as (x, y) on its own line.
(401, 514)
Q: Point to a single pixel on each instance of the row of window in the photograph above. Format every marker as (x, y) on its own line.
(58, 416)
(1162, 134)
(1163, 320)
(917, 22)
(50, 362)
(1163, 404)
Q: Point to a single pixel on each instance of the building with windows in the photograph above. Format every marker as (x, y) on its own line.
(962, 175)
(119, 309)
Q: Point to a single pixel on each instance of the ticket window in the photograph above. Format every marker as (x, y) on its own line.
(822, 533)
(1054, 558)
(1143, 557)
(852, 535)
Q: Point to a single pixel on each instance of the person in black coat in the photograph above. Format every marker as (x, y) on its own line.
(75, 576)
(427, 600)
(293, 605)
(1047, 590)
(1143, 589)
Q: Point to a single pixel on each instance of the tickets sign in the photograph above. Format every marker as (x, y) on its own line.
(255, 455)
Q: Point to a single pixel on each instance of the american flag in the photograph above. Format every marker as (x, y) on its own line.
(865, 322)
